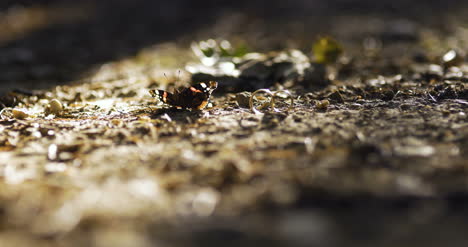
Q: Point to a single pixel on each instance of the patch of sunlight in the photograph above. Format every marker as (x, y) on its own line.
(104, 103)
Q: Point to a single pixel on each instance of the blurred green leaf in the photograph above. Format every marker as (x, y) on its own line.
(326, 50)
(208, 52)
(240, 50)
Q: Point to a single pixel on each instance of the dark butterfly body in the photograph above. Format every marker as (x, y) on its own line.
(194, 97)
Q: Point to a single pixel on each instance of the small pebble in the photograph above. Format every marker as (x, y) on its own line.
(55, 106)
(452, 58)
(322, 105)
(52, 152)
(18, 114)
(243, 99)
(117, 122)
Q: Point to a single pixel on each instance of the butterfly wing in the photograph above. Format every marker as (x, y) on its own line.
(164, 96)
(205, 87)
(194, 97)
(201, 93)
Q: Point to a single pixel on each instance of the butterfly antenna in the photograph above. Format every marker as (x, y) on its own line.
(166, 76)
(178, 75)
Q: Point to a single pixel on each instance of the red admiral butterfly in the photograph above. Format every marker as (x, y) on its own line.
(194, 97)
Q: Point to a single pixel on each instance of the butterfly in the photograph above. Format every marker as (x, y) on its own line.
(194, 97)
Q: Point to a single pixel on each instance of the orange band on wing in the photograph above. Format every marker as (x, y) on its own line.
(202, 105)
(195, 90)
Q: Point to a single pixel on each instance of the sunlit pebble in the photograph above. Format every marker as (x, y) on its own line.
(65, 156)
(205, 202)
(323, 104)
(450, 55)
(144, 188)
(193, 133)
(377, 82)
(435, 69)
(52, 152)
(423, 151)
(19, 114)
(13, 175)
(189, 155)
(55, 167)
(144, 118)
(412, 185)
(55, 106)
(454, 72)
(103, 103)
(117, 122)
(310, 144)
(298, 54)
(36, 134)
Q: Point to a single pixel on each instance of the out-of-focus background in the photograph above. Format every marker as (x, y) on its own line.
(51, 42)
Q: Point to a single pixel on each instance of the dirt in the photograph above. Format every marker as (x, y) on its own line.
(373, 151)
